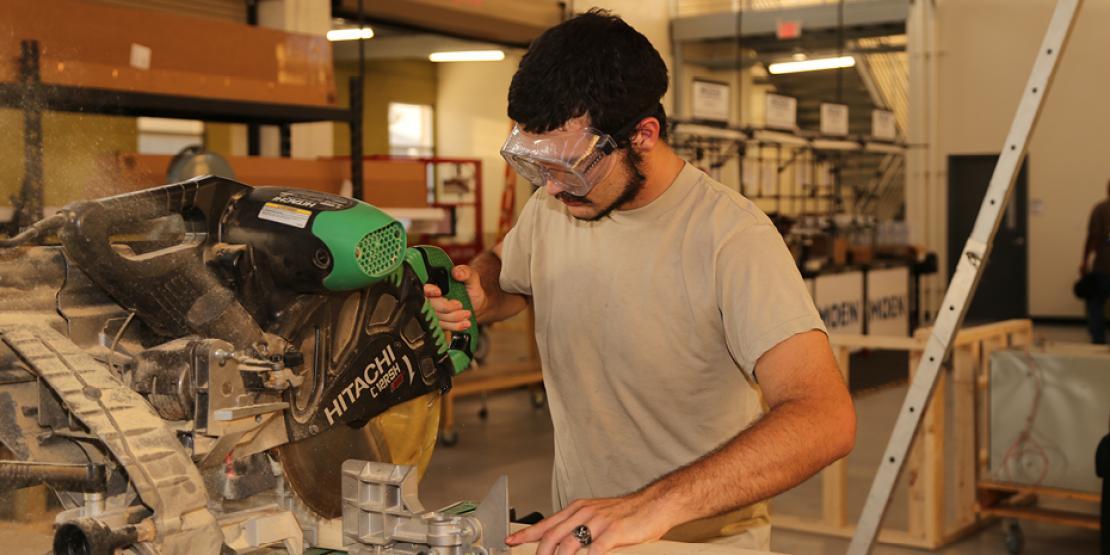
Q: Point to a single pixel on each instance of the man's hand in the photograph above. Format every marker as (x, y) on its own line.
(451, 314)
(614, 522)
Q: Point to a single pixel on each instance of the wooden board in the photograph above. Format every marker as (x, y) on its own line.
(657, 548)
(662, 548)
(500, 21)
(1041, 490)
(1063, 518)
(887, 536)
(91, 44)
(965, 360)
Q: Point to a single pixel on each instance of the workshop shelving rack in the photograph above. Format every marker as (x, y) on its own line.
(34, 97)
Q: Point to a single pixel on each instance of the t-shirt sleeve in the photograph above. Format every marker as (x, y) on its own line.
(516, 249)
(760, 293)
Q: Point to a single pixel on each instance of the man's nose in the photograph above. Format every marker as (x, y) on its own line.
(553, 187)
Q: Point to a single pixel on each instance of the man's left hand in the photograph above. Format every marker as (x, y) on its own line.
(613, 522)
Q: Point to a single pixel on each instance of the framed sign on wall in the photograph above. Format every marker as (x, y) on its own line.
(834, 119)
(710, 100)
(883, 125)
(781, 112)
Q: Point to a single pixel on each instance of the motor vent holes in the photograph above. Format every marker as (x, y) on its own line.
(378, 252)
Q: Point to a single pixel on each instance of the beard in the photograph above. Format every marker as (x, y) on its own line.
(631, 189)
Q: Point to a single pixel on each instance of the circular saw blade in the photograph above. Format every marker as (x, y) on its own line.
(329, 331)
(312, 465)
(404, 434)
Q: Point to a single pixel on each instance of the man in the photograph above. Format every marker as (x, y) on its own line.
(1098, 244)
(667, 310)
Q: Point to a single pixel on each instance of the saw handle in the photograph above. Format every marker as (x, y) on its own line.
(438, 267)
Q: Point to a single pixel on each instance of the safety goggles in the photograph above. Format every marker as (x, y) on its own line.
(575, 161)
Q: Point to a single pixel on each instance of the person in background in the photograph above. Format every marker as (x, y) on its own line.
(1098, 244)
(688, 374)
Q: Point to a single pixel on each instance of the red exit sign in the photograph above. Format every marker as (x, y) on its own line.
(786, 30)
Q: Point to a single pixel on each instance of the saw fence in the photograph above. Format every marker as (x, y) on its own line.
(941, 502)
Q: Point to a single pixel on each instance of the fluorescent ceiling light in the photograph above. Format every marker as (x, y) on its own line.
(350, 34)
(468, 56)
(811, 65)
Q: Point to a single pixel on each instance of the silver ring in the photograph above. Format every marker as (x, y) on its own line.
(582, 534)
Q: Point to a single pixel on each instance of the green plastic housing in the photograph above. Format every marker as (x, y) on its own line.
(366, 245)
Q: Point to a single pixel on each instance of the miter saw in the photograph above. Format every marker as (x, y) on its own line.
(191, 366)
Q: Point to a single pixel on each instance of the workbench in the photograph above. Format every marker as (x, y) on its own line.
(663, 548)
(656, 548)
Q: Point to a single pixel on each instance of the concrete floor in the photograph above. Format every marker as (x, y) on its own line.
(516, 439)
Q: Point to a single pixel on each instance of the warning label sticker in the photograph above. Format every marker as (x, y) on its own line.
(282, 214)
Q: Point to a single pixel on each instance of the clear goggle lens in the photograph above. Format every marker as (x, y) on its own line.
(574, 161)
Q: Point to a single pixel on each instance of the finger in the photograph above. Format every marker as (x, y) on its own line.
(471, 280)
(432, 291)
(598, 526)
(566, 528)
(455, 316)
(455, 326)
(606, 540)
(569, 546)
(443, 309)
(443, 304)
(536, 531)
(462, 272)
(548, 543)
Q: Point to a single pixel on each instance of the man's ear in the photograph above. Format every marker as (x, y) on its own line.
(646, 135)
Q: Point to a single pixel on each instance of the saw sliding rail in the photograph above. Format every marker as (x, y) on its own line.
(968, 271)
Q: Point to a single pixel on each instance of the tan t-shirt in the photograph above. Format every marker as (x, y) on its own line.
(649, 324)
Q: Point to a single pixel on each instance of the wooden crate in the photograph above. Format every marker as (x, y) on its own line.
(929, 490)
(997, 498)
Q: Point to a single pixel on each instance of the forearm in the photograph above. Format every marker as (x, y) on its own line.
(499, 304)
(788, 445)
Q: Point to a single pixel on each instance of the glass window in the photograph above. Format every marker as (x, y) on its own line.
(410, 130)
(168, 136)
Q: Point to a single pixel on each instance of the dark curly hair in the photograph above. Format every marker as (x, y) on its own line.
(594, 64)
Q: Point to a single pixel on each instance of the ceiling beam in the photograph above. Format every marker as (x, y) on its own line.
(762, 23)
(507, 22)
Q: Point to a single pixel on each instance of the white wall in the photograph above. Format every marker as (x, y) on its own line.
(472, 121)
(983, 64)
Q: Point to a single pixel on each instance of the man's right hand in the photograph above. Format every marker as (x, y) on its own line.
(451, 314)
